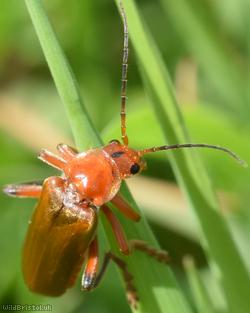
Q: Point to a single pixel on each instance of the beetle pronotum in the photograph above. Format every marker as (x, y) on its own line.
(62, 232)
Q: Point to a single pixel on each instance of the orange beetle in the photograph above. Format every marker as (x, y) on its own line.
(62, 232)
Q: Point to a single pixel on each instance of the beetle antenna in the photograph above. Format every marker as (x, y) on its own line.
(197, 145)
(124, 75)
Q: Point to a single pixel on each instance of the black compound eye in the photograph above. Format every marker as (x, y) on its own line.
(135, 168)
(114, 141)
(117, 154)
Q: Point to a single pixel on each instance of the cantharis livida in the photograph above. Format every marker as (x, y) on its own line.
(62, 232)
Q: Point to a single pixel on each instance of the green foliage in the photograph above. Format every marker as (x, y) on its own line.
(189, 171)
(91, 40)
(67, 88)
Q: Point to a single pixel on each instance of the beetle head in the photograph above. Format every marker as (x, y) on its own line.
(128, 161)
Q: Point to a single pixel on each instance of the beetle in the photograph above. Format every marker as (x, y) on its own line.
(62, 231)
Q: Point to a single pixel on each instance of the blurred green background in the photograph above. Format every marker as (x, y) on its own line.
(206, 45)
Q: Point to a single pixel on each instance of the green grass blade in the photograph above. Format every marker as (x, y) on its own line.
(211, 52)
(189, 171)
(158, 290)
(198, 290)
(82, 128)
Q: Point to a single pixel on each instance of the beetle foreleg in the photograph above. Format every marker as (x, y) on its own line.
(117, 230)
(52, 159)
(158, 254)
(66, 151)
(125, 208)
(30, 190)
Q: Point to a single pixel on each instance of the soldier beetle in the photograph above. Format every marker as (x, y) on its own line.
(62, 232)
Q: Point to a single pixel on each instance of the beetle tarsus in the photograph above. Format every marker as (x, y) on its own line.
(159, 255)
(88, 282)
(10, 190)
(67, 152)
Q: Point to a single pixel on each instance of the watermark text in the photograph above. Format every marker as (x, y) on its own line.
(26, 307)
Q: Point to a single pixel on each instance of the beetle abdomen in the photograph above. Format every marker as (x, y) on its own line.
(56, 243)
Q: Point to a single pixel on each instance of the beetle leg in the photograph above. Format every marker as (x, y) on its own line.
(127, 247)
(89, 275)
(128, 278)
(66, 151)
(117, 230)
(131, 292)
(91, 279)
(158, 254)
(30, 190)
(125, 208)
(52, 159)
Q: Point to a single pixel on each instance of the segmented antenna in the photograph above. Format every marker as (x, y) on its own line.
(124, 76)
(194, 145)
